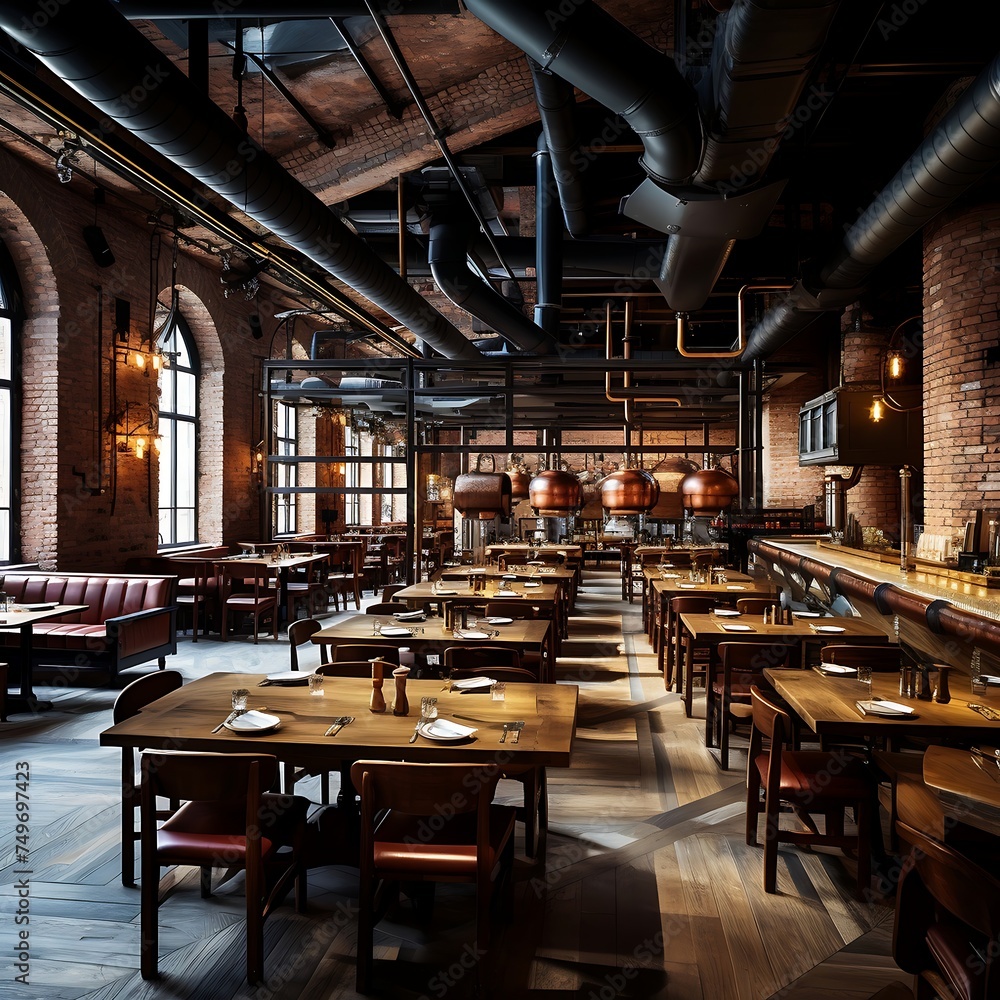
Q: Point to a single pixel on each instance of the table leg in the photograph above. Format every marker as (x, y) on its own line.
(25, 700)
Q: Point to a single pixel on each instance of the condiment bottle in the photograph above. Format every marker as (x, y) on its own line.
(400, 705)
(377, 703)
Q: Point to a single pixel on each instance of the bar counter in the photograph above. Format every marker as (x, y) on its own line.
(942, 612)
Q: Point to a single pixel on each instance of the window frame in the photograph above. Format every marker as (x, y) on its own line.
(179, 325)
(12, 313)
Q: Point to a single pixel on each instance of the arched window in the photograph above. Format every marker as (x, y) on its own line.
(179, 435)
(9, 407)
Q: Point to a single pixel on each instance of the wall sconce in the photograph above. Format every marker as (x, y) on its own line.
(257, 464)
(135, 438)
(878, 409)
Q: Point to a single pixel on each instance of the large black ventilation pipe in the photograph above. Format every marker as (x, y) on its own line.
(556, 103)
(962, 149)
(548, 243)
(101, 56)
(447, 254)
(191, 10)
(590, 49)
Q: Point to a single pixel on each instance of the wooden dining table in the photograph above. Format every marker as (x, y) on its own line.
(21, 619)
(185, 720)
(281, 567)
(678, 584)
(432, 637)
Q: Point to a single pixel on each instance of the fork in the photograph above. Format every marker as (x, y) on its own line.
(338, 724)
(229, 718)
(506, 730)
(517, 727)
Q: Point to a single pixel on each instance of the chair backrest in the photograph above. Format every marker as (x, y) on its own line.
(947, 917)
(249, 575)
(345, 668)
(420, 789)
(752, 657)
(515, 609)
(390, 590)
(769, 720)
(386, 608)
(473, 657)
(208, 777)
(515, 675)
(365, 651)
(299, 632)
(136, 695)
(879, 658)
(692, 604)
(755, 605)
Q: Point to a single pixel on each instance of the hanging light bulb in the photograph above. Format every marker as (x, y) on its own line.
(878, 409)
(139, 360)
(895, 365)
(140, 447)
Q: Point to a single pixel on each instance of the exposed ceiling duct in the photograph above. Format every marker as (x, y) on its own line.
(961, 150)
(704, 169)
(107, 61)
(447, 254)
(556, 107)
(165, 10)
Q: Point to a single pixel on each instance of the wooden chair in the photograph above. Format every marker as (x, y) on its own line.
(947, 921)
(386, 608)
(534, 812)
(130, 701)
(473, 657)
(307, 585)
(524, 610)
(226, 821)
(299, 633)
(811, 781)
(727, 699)
(407, 837)
(755, 605)
(197, 588)
(246, 588)
(677, 650)
(344, 573)
(390, 590)
(365, 651)
(883, 659)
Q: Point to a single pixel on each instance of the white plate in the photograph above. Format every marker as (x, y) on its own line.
(806, 614)
(688, 586)
(530, 584)
(506, 594)
(510, 621)
(838, 670)
(735, 586)
(885, 709)
(254, 722)
(670, 576)
(445, 731)
(509, 576)
(473, 683)
(396, 633)
(48, 606)
(737, 628)
(290, 678)
(725, 613)
(829, 628)
(409, 616)
(463, 634)
(445, 593)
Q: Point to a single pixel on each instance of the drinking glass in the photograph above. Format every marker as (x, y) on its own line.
(498, 690)
(240, 698)
(316, 685)
(376, 627)
(865, 676)
(428, 709)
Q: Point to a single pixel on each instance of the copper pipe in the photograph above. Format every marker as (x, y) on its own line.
(740, 325)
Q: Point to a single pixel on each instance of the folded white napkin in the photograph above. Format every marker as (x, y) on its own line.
(471, 683)
(445, 727)
(254, 720)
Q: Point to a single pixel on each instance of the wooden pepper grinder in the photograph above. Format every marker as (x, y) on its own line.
(378, 699)
(400, 705)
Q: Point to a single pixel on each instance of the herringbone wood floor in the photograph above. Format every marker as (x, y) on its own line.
(648, 889)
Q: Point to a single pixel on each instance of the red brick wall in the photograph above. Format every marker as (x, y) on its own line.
(83, 505)
(961, 409)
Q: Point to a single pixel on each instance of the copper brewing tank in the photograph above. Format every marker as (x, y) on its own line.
(708, 492)
(518, 484)
(629, 491)
(556, 491)
(669, 476)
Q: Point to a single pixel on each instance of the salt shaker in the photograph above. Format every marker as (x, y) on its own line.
(377, 703)
(400, 705)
